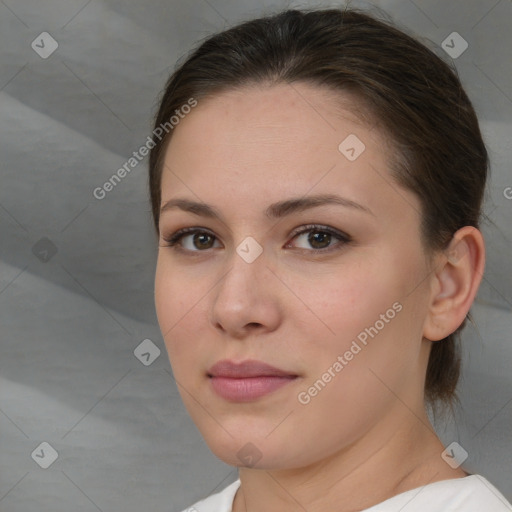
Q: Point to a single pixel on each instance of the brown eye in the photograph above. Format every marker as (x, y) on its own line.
(202, 240)
(320, 238)
(191, 240)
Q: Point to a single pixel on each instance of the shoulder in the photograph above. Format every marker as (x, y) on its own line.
(470, 494)
(473, 493)
(219, 502)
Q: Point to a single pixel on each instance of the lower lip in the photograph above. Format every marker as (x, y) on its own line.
(247, 389)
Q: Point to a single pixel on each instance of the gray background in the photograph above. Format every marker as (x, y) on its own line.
(70, 321)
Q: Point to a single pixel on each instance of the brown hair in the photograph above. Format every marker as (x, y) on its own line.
(409, 90)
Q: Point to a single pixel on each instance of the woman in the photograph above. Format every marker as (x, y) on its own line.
(316, 194)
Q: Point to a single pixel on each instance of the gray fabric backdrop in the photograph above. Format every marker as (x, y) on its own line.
(76, 272)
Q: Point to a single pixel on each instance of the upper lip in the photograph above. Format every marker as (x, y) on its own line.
(245, 369)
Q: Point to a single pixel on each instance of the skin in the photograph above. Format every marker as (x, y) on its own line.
(366, 436)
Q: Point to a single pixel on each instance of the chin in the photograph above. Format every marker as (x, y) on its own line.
(258, 453)
(239, 451)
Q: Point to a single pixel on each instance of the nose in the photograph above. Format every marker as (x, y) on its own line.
(248, 299)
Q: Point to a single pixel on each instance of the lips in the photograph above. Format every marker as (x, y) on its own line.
(246, 369)
(247, 381)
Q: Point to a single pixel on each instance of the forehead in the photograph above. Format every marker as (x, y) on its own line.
(301, 108)
(262, 122)
(262, 143)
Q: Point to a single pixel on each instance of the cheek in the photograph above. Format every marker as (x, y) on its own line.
(165, 297)
(376, 352)
(342, 304)
(363, 315)
(177, 304)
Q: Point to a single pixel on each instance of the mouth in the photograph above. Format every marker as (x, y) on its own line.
(247, 381)
(246, 369)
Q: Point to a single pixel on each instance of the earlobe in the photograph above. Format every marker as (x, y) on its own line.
(456, 281)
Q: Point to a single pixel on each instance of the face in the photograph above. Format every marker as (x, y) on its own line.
(332, 293)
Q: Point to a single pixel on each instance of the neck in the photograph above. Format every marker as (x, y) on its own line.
(383, 463)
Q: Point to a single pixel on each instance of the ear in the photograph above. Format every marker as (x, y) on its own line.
(457, 276)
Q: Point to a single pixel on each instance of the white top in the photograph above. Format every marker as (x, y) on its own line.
(469, 494)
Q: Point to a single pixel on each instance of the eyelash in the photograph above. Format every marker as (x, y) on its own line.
(344, 239)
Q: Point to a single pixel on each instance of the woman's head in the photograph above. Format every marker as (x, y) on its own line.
(298, 105)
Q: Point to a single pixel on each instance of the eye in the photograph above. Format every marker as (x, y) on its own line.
(198, 240)
(320, 238)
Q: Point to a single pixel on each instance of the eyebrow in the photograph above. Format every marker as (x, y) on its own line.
(274, 211)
